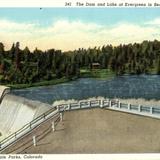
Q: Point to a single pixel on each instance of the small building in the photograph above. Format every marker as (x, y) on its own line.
(95, 65)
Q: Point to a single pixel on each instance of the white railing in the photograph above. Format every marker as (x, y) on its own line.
(113, 105)
(153, 112)
(27, 128)
(88, 104)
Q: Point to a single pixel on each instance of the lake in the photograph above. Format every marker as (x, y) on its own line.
(141, 86)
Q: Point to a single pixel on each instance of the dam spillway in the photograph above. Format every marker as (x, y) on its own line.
(24, 110)
(17, 111)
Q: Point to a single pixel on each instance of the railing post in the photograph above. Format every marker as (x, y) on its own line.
(34, 140)
(53, 126)
(64, 108)
(139, 108)
(101, 103)
(110, 103)
(58, 108)
(119, 104)
(151, 110)
(89, 102)
(69, 106)
(79, 104)
(129, 106)
(61, 117)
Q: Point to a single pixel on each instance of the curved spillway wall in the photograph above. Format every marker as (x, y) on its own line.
(3, 90)
(17, 111)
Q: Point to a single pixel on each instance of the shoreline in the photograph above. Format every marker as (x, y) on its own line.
(66, 80)
(139, 101)
(38, 84)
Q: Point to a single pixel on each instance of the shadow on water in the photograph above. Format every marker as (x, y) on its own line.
(142, 86)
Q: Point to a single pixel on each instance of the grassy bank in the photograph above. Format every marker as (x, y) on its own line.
(43, 83)
(97, 73)
(84, 73)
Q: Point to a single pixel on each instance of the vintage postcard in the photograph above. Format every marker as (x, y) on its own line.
(80, 77)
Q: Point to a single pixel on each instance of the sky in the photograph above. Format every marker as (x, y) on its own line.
(73, 28)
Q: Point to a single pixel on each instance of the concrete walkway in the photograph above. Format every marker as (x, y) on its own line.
(94, 131)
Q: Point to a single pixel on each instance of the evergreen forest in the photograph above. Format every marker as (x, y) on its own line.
(19, 66)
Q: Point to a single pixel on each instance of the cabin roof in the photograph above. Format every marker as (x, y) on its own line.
(95, 64)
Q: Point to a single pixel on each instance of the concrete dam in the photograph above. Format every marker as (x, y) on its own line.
(16, 111)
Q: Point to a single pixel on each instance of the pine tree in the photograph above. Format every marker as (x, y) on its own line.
(17, 56)
(12, 52)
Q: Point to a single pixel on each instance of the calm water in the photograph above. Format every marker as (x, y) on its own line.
(143, 86)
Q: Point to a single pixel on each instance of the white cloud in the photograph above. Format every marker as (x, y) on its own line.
(68, 35)
(154, 22)
(13, 26)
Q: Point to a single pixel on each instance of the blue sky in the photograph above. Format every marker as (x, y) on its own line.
(102, 15)
(57, 27)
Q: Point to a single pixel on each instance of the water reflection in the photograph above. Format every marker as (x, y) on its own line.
(143, 86)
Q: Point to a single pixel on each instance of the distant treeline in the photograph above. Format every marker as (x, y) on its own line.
(24, 66)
